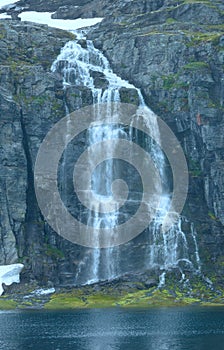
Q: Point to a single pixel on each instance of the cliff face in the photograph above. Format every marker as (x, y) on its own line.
(70, 9)
(174, 52)
(31, 102)
(176, 55)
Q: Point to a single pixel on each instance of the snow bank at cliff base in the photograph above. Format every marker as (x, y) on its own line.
(10, 274)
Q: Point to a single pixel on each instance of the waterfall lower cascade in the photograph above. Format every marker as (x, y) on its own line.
(83, 66)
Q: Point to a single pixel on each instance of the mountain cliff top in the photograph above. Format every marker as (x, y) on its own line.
(183, 10)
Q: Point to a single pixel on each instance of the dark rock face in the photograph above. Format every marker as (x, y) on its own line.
(99, 8)
(31, 100)
(174, 52)
(53, 5)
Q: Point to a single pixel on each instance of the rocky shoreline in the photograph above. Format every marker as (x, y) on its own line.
(131, 292)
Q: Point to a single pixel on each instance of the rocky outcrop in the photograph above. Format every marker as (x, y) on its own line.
(70, 9)
(51, 6)
(104, 8)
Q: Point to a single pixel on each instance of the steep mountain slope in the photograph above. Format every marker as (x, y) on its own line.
(175, 55)
(174, 52)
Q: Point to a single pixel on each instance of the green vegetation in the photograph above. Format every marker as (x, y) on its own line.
(56, 106)
(64, 301)
(144, 298)
(54, 252)
(24, 99)
(2, 32)
(207, 2)
(194, 168)
(172, 81)
(170, 20)
(200, 295)
(148, 298)
(212, 216)
(6, 304)
(169, 81)
(196, 66)
(62, 34)
(175, 293)
(197, 38)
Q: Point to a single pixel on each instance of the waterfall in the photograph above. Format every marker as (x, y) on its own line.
(81, 64)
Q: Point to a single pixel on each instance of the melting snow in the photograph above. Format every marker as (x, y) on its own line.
(45, 18)
(6, 2)
(9, 274)
(4, 16)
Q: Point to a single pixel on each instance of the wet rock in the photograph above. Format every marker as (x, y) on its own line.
(149, 283)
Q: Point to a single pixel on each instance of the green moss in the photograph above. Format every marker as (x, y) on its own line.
(140, 298)
(163, 106)
(54, 252)
(25, 304)
(40, 100)
(220, 262)
(170, 20)
(201, 37)
(23, 98)
(172, 81)
(6, 304)
(194, 168)
(207, 2)
(2, 32)
(147, 298)
(23, 259)
(211, 303)
(101, 300)
(56, 106)
(212, 216)
(62, 34)
(174, 294)
(168, 81)
(158, 33)
(64, 301)
(79, 299)
(197, 65)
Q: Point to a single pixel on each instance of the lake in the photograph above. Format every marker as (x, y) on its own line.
(186, 328)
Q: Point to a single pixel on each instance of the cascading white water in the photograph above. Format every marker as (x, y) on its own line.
(78, 64)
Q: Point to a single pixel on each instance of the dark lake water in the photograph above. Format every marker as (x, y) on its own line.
(107, 329)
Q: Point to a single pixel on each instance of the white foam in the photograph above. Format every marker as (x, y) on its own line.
(43, 291)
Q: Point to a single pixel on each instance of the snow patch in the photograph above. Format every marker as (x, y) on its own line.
(43, 291)
(9, 274)
(4, 16)
(6, 2)
(45, 18)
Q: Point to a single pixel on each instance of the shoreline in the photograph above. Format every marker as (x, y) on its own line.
(96, 296)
